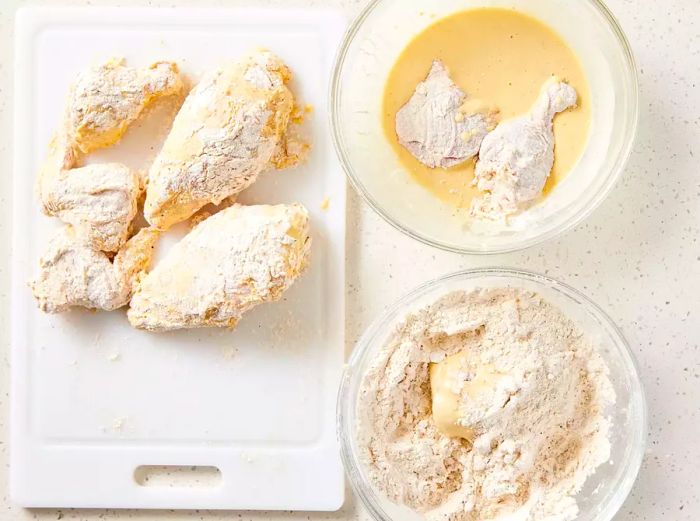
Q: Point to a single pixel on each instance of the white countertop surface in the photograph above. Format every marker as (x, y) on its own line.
(638, 256)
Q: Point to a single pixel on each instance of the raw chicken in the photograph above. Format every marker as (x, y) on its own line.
(438, 126)
(107, 98)
(99, 201)
(516, 159)
(229, 263)
(72, 274)
(229, 129)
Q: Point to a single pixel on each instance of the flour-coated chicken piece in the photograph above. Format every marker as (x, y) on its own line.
(438, 125)
(516, 159)
(72, 274)
(227, 132)
(229, 263)
(105, 99)
(99, 201)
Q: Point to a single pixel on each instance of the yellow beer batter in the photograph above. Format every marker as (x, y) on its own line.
(502, 58)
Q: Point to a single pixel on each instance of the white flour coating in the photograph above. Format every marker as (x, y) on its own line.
(516, 159)
(436, 125)
(538, 428)
(229, 129)
(99, 201)
(71, 273)
(107, 98)
(229, 263)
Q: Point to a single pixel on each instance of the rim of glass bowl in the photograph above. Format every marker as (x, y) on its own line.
(576, 218)
(610, 504)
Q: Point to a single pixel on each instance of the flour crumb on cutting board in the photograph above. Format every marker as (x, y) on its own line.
(119, 423)
(228, 352)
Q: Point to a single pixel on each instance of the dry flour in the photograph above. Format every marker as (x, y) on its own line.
(536, 425)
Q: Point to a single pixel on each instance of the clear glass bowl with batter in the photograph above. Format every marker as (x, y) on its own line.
(369, 52)
(606, 490)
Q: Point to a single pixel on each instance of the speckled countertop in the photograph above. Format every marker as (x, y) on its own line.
(638, 256)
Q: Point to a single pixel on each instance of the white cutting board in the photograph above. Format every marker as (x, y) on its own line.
(94, 399)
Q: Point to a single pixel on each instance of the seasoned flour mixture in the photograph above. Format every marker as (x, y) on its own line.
(486, 405)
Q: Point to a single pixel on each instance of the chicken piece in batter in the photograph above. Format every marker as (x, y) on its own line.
(438, 125)
(72, 274)
(231, 262)
(228, 130)
(107, 98)
(99, 201)
(516, 159)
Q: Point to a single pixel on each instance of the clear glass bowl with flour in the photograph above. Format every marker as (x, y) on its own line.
(602, 492)
(369, 52)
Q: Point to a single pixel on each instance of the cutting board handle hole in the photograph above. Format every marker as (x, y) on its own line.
(177, 476)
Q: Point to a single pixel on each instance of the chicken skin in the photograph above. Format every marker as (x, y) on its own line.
(229, 263)
(516, 159)
(72, 274)
(230, 128)
(438, 125)
(99, 201)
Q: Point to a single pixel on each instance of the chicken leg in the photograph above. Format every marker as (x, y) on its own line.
(107, 98)
(516, 159)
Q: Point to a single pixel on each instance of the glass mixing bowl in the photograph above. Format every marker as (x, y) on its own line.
(604, 491)
(371, 47)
